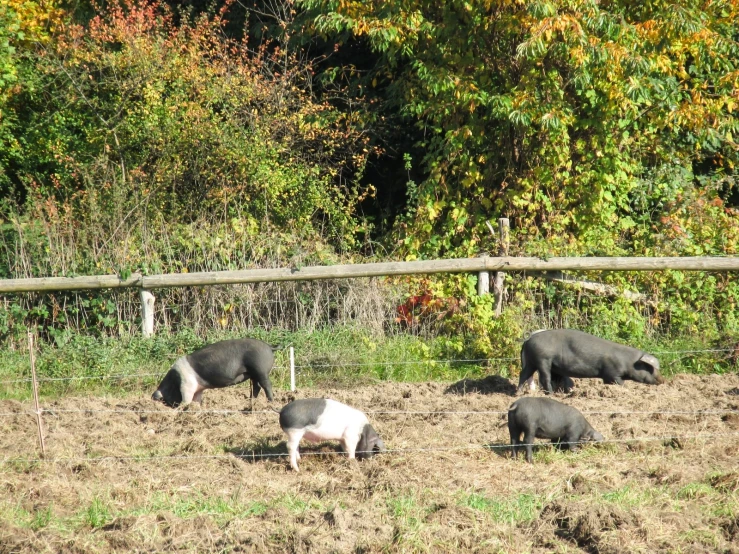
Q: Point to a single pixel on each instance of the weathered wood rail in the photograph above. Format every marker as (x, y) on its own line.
(482, 265)
(352, 271)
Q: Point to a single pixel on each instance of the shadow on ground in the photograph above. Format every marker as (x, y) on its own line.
(492, 384)
(502, 449)
(264, 451)
(260, 451)
(505, 449)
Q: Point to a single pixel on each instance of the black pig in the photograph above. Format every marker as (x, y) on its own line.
(571, 353)
(544, 418)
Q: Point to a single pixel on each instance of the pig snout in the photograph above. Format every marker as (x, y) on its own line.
(380, 446)
(595, 436)
(157, 395)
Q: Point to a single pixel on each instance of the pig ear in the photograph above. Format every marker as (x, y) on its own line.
(363, 445)
(650, 361)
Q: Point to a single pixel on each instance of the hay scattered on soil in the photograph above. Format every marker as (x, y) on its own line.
(222, 495)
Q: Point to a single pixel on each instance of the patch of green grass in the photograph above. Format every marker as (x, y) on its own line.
(19, 516)
(338, 355)
(547, 453)
(523, 507)
(221, 509)
(695, 490)
(407, 514)
(405, 508)
(41, 518)
(673, 361)
(727, 507)
(97, 514)
(629, 496)
(705, 537)
(297, 504)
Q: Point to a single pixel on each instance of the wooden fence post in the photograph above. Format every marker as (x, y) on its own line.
(35, 395)
(504, 233)
(147, 312)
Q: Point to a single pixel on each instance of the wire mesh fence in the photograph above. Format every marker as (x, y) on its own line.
(391, 451)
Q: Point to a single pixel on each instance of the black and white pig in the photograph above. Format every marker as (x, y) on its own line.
(570, 353)
(321, 419)
(217, 365)
(545, 418)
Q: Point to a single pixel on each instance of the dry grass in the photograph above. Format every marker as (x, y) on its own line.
(640, 496)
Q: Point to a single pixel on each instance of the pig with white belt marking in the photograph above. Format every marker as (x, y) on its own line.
(545, 418)
(321, 419)
(217, 365)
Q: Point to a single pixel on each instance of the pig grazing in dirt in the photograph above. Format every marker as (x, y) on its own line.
(321, 419)
(570, 353)
(218, 365)
(544, 418)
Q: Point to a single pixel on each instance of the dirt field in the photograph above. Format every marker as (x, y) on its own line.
(200, 480)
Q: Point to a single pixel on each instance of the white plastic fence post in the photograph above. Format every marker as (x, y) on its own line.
(292, 369)
(483, 283)
(147, 313)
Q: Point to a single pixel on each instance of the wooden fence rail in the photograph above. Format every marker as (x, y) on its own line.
(482, 265)
(351, 271)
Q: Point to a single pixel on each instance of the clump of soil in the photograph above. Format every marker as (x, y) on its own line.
(585, 525)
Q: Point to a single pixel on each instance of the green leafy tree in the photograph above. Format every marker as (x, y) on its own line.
(567, 115)
(23, 25)
(603, 128)
(132, 119)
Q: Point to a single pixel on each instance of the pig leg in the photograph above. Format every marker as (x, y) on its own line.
(544, 368)
(526, 377)
(265, 383)
(260, 383)
(350, 445)
(189, 386)
(573, 442)
(545, 379)
(528, 440)
(198, 396)
(349, 448)
(612, 380)
(253, 394)
(293, 441)
(515, 433)
(611, 373)
(527, 373)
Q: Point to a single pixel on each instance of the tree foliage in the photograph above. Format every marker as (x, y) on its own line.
(138, 118)
(585, 121)
(148, 137)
